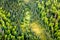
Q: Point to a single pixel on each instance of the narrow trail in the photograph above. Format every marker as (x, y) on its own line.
(39, 31)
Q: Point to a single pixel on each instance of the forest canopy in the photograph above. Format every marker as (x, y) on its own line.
(29, 19)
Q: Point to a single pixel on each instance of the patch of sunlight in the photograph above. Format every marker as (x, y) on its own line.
(38, 30)
(35, 27)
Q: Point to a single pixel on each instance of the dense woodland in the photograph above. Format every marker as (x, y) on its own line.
(29, 19)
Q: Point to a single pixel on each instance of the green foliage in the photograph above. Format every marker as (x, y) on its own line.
(16, 16)
(8, 30)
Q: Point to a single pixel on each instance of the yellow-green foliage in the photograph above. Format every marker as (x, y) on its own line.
(6, 26)
(29, 20)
